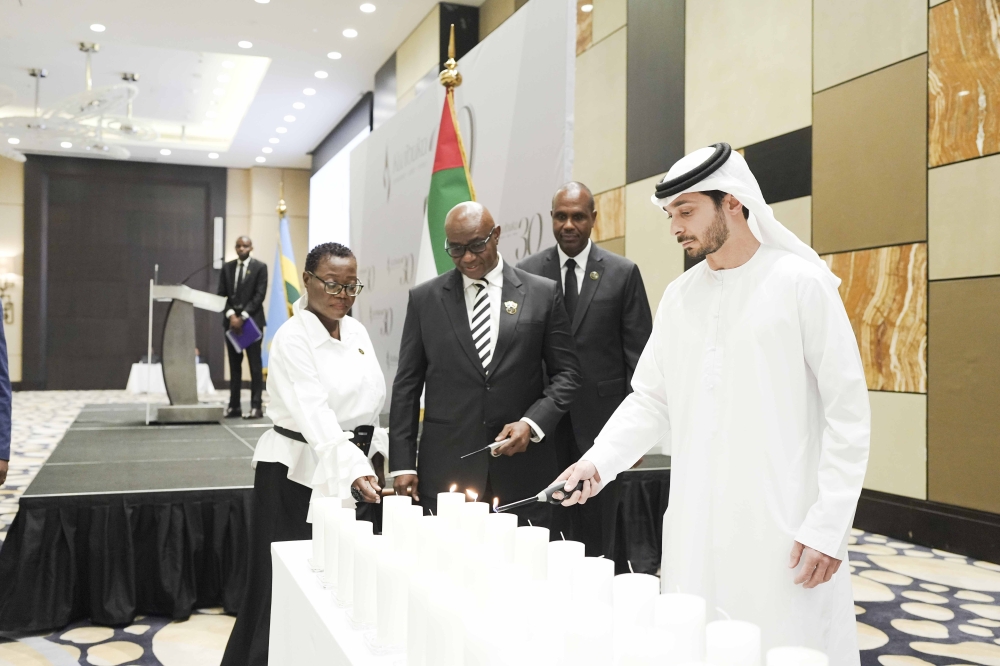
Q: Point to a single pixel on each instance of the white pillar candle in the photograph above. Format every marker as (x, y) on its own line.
(391, 598)
(531, 551)
(683, 617)
(419, 587)
(645, 646)
(499, 531)
(589, 638)
(345, 557)
(562, 557)
(593, 580)
(472, 521)
(633, 596)
(428, 537)
(732, 643)
(407, 536)
(318, 515)
(449, 507)
(331, 540)
(796, 656)
(445, 640)
(392, 507)
(366, 550)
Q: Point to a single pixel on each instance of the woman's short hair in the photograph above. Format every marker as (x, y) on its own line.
(324, 250)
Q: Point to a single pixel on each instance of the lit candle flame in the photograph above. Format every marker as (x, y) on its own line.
(453, 488)
(496, 503)
(472, 494)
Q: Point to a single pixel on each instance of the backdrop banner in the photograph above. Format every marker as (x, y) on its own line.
(515, 108)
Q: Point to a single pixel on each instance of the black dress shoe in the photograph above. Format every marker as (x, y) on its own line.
(255, 413)
(232, 413)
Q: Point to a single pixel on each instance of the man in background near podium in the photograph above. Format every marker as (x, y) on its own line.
(477, 338)
(5, 405)
(244, 284)
(611, 322)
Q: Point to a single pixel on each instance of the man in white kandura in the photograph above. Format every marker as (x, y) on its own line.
(753, 383)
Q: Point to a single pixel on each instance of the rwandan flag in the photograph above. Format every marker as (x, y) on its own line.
(451, 184)
(284, 286)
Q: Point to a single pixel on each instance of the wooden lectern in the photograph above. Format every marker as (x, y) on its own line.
(178, 354)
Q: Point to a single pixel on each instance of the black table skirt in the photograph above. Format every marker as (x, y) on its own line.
(636, 527)
(111, 557)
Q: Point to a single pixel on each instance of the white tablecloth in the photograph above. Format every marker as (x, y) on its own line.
(306, 625)
(139, 379)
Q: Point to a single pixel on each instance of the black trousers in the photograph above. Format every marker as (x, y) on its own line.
(279, 513)
(583, 522)
(236, 374)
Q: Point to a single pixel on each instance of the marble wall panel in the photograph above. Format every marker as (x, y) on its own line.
(796, 215)
(885, 294)
(609, 15)
(648, 241)
(963, 219)
(418, 53)
(964, 80)
(748, 70)
(963, 421)
(584, 26)
(11, 182)
(600, 112)
(610, 214)
(880, 33)
(869, 183)
(897, 462)
(616, 245)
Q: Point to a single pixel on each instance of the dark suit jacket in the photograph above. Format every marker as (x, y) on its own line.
(466, 406)
(250, 296)
(611, 327)
(5, 396)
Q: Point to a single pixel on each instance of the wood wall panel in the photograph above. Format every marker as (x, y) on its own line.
(885, 294)
(610, 215)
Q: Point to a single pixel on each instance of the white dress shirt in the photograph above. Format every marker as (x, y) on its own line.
(581, 265)
(236, 285)
(323, 388)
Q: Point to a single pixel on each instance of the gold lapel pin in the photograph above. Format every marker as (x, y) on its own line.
(361, 351)
(594, 275)
(510, 307)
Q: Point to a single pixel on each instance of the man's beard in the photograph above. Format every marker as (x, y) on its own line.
(715, 237)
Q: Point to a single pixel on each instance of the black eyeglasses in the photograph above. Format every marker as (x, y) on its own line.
(475, 247)
(335, 288)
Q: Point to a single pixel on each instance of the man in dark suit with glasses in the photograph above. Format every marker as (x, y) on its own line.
(475, 341)
(244, 284)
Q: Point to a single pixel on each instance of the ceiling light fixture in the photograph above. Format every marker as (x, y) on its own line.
(289, 119)
(65, 144)
(245, 44)
(224, 78)
(280, 130)
(367, 8)
(963, 93)
(334, 55)
(164, 151)
(261, 160)
(267, 150)
(97, 27)
(299, 106)
(273, 140)
(350, 33)
(309, 91)
(213, 156)
(321, 74)
(13, 141)
(228, 64)
(586, 9)
(262, 2)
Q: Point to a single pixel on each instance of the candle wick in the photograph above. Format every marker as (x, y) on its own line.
(600, 557)
(430, 512)
(529, 523)
(631, 570)
(562, 535)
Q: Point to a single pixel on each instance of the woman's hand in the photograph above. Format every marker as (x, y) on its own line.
(369, 489)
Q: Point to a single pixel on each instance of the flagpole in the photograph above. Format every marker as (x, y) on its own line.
(451, 78)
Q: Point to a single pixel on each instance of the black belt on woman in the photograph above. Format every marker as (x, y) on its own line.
(362, 436)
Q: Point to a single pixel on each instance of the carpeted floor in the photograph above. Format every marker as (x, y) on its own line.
(915, 606)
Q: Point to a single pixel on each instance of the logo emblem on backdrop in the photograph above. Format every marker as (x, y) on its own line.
(387, 176)
(510, 307)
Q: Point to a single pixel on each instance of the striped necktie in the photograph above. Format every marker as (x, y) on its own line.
(480, 323)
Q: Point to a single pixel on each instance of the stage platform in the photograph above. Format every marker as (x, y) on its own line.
(125, 518)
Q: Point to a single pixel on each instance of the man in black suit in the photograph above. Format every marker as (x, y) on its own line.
(244, 284)
(477, 337)
(611, 322)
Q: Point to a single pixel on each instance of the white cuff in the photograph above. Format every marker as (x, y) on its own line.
(244, 315)
(537, 434)
(230, 312)
(400, 472)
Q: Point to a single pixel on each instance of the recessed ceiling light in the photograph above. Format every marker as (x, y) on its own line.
(245, 44)
(261, 160)
(368, 8)
(309, 91)
(334, 55)
(350, 33)
(13, 141)
(262, 2)
(267, 149)
(97, 27)
(289, 119)
(164, 151)
(66, 144)
(321, 74)
(587, 8)
(273, 139)
(219, 92)
(963, 93)
(280, 130)
(213, 156)
(299, 106)
(228, 64)
(224, 78)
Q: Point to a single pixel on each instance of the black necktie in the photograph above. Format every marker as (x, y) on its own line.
(570, 291)
(239, 278)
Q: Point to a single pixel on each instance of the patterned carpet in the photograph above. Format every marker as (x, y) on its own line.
(915, 606)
